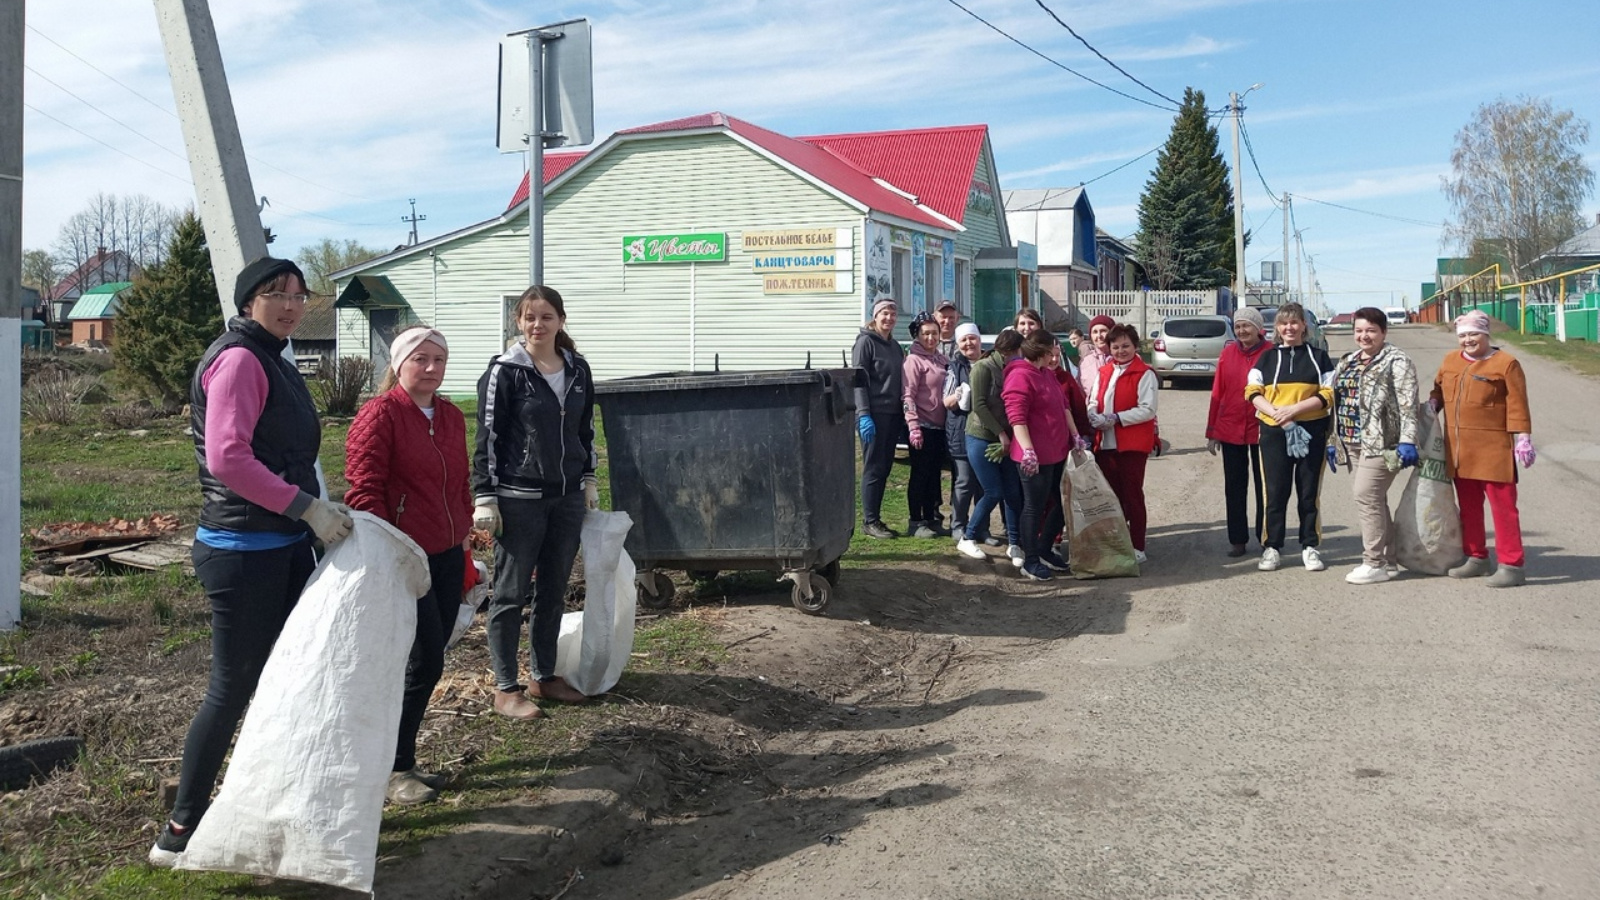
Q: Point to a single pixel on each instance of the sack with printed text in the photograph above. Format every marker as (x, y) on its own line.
(1101, 546)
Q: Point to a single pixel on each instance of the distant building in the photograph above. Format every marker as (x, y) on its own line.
(103, 268)
(1060, 223)
(94, 313)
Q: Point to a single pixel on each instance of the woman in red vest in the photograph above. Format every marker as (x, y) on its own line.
(1123, 412)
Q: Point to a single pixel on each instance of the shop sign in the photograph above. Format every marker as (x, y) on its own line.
(830, 261)
(820, 283)
(980, 198)
(796, 239)
(900, 238)
(641, 249)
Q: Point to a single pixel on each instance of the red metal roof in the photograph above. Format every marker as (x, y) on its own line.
(554, 165)
(935, 165)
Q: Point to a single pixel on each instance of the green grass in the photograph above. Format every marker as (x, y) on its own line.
(1581, 356)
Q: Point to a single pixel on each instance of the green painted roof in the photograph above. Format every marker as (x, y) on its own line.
(99, 302)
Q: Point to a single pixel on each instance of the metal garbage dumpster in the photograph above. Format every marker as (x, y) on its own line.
(734, 471)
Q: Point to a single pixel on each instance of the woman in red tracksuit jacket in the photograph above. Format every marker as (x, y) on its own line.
(1233, 429)
(406, 461)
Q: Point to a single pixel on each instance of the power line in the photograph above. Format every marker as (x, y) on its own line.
(1119, 168)
(1102, 55)
(124, 86)
(997, 30)
(1368, 212)
(152, 141)
(1250, 148)
(117, 150)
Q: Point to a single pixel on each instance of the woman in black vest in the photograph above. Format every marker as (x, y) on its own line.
(256, 436)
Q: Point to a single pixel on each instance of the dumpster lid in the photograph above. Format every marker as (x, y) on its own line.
(688, 381)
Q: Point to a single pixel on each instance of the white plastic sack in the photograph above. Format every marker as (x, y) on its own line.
(470, 601)
(1427, 526)
(1101, 546)
(303, 795)
(595, 644)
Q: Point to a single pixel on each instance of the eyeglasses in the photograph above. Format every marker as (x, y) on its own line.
(281, 297)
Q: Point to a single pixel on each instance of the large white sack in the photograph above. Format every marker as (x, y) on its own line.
(595, 644)
(1427, 524)
(303, 795)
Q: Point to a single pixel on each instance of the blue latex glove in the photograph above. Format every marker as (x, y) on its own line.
(1333, 458)
(1407, 454)
(866, 429)
(1298, 439)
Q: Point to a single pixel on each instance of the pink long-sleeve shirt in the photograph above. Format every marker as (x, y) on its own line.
(1033, 398)
(236, 391)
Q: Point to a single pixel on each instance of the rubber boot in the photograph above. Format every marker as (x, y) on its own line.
(1474, 567)
(1507, 576)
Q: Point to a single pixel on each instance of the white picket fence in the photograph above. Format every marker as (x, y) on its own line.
(1144, 309)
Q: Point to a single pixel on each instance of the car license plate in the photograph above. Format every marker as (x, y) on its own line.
(1193, 367)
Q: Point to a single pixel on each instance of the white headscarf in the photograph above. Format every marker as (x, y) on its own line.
(406, 342)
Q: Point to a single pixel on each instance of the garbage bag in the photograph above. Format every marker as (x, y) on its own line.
(595, 644)
(1101, 546)
(1427, 524)
(303, 795)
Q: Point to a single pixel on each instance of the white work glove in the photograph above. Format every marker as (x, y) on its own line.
(331, 522)
(591, 495)
(486, 516)
(1213, 446)
(966, 398)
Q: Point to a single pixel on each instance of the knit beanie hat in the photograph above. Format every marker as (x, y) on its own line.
(1102, 319)
(260, 272)
(1249, 314)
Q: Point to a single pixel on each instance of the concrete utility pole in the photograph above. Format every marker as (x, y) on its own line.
(1286, 296)
(1234, 105)
(12, 46)
(227, 200)
(536, 41)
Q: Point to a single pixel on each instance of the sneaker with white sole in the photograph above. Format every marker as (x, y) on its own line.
(1016, 554)
(1312, 560)
(1140, 557)
(1037, 571)
(1269, 560)
(1365, 574)
(169, 846)
(970, 548)
(1393, 570)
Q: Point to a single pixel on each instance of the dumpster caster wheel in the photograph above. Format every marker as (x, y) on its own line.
(655, 590)
(830, 572)
(811, 593)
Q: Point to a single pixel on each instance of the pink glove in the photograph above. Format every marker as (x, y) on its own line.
(1084, 443)
(1524, 451)
(1030, 462)
(916, 436)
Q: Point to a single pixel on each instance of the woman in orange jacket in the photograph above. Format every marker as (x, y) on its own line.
(1484, 397)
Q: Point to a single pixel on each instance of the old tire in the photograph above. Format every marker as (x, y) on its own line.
(664, 592)
(21, 763)
(821, 594)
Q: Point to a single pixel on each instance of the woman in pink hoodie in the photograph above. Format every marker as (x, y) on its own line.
(923, 395)
(1042, 432)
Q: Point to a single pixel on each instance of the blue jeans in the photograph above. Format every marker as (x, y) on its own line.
(535, 534)
(1000, 481)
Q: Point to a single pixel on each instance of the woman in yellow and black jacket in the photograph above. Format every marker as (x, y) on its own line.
(1291, 388)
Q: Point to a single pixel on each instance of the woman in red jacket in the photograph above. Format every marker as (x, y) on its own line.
(406, 462)
(1232, 427)
(1123, 411)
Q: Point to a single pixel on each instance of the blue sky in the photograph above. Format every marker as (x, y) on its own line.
(350, 109)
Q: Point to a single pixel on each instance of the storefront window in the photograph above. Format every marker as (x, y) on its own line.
(901, 261)
(933, 269)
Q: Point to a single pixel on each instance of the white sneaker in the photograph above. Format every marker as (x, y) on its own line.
(1140, 557)
(1016, 554)
(1269, 560)
(1365, 574)
(969, 548)
(1392, 570)
(1312, 559)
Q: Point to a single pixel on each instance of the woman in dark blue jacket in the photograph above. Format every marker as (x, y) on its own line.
(879, 410)
(532, 479)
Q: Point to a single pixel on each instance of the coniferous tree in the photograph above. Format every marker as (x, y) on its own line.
(1186, 210)
(169, 317)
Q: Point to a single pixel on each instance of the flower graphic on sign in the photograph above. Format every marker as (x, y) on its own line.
(636, 251)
